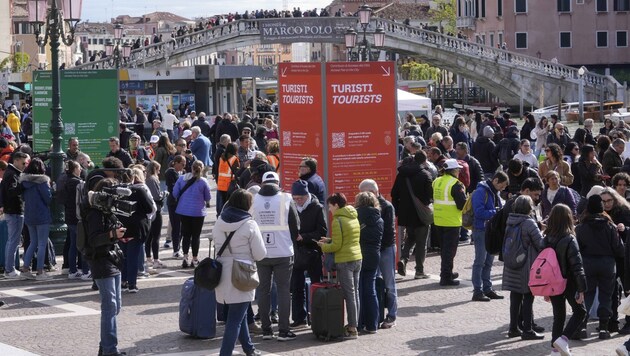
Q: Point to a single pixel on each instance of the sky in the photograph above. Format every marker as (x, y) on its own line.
(104, 10)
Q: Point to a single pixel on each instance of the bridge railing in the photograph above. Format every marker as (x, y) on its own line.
(464, 47)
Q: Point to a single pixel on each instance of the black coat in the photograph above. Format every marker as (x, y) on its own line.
(476, 173)
(10, 192)
(69, 199)
(515, 181)
(422, 189)
(611, 162)
(570, 260)
(371, 236)
(226, 126)
(101, 264)
(389, 223)
(138, 223)
(597, 236)
(203, 126)
(483, 151)
(587, 176)
(312, 225)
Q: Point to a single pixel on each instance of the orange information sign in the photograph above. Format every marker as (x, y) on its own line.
(300, 120)
(361, 125)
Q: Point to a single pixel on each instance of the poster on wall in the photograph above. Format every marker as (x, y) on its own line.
(145, 102)
(175, 101)
(300, 95)
(93, 130)
(165, 101)
(187, 98)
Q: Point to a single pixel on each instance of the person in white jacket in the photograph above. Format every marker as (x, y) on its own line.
(246, 245)
(540, 134)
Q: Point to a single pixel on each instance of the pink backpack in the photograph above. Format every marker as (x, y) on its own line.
(545, 277)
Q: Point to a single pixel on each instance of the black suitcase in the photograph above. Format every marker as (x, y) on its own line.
(327, 311)
(381, 295)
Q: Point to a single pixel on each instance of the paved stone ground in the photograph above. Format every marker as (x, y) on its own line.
(61, 317)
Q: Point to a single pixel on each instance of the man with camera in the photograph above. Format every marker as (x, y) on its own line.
(102, 231)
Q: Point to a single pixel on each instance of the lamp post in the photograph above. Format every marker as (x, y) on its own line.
(581, 73)
(49, 24)
(364, 51)
(119, 52)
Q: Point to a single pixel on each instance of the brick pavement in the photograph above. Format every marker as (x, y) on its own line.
(60, 317)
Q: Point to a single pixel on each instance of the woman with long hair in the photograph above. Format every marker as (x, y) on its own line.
(608, 125)
(344, 243)
(599, 244)
(162, 153)
(555, 193)
(369, 214)
(192, 193)
(589, 170)
(528, 127)
(560, 236)
(37, 196)
(460, 132)
(541, 133)
(228, 166)
(554, 162)
(516, 280)
(152, 244)
(172, 174)
(603, 142)
(273, 154)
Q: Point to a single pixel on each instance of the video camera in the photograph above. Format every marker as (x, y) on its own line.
(111, 200)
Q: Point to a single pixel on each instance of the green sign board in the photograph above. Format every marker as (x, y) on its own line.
(89, 101)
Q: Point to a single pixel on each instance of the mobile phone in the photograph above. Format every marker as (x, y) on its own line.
(188, 152)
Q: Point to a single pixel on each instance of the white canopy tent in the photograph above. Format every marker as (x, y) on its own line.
(416, 104)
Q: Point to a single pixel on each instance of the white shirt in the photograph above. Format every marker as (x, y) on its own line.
(529, 158)
(551, 194)
(168, 121)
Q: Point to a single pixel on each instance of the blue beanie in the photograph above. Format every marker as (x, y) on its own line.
(299, 187)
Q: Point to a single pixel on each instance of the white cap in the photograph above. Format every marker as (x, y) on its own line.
(451, 164)
(271, 177)
(154, 139)
(186, 133)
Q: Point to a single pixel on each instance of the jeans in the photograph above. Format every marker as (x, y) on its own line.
(15, 223)
(299, 309)
(109, 290)
(521, 304)
(368, 302)
(280, 269)
(73, 252)
(132, 250)
(386, 269)
(417, 236)
(176, 224)
(600, 273)
(39, 241)
(559, 305)
(449, 239)
(236, 327)
(482, 264)
(348, 276)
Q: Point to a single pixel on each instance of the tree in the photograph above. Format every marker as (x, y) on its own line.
(17, 62)
(444, 13)
(420, 71)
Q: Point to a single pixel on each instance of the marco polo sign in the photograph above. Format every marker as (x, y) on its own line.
(320, 29)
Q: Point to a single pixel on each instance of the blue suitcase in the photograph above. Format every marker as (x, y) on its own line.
(197, 311)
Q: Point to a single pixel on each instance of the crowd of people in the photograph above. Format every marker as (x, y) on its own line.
(537, 185)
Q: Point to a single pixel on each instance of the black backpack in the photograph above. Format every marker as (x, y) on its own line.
(495, 231)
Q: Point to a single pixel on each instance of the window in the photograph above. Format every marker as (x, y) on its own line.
(565, 39)
(483, 8)
(521, 40)
(621, 5)
(520, 6)
(89, 41)
(483, 39)
(500, 41)
(622, 38)
(602, 5)
(100, 41)
(602, 39)
(564, 5)
(492, 39)
(459, 8)
(477, 12)
(499, 7)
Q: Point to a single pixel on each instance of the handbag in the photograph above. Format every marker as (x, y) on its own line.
(244, 275)
(208, 272)
(425, 212)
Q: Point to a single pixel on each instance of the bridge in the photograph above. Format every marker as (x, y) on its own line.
(508, 75)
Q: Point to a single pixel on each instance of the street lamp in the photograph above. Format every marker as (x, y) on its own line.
(365, 13)
(581, 73)
(57, 23)
(118, 53)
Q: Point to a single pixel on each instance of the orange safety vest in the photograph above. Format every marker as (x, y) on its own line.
(225, 173)
(274, 161)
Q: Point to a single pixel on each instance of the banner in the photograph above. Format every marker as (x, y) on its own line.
(304, 29)
(300, 108)
(361, 125)
(89, 99)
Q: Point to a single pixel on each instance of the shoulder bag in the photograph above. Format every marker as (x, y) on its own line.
(425, 213)
(190, 182)
(233, 183)
(208, 272)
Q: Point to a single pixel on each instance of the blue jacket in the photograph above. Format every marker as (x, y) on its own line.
(371, 236)
(200, 147)
(37, 196)
(316, 185)
(483, 204)
(193, 201)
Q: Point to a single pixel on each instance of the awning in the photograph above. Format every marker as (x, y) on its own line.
(14, 88)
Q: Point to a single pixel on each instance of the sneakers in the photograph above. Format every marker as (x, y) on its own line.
(274, 318)
(158, 264)
(388, 323)
(369, 332)
(25, 276)
(622, 351)
(402, 268)
(268, 335)
(143, 275)
(133, 290)
(253, 352)
(50, 268)
(297, 324)
(254, 328)
(15, 274)
(185, 263)
(350, 335)
(86, 276)
(420, 275)
(286, 336)
(604, 335)
(43, 277)
(562, 345)
(167, 244)
(178, 254)
(194, 263)
(75, 275)
(480, 297)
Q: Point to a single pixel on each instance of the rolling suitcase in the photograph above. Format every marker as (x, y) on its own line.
(327, 313)
(381, 295)
(197, 311)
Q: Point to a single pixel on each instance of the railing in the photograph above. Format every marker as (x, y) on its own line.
(463, 47)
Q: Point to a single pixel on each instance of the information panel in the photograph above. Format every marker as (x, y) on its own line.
(89, 101)
(361, 125)
(300, 105)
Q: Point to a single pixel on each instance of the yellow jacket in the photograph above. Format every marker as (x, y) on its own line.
(14, 122)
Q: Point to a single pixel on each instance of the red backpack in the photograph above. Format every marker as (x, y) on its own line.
(464, 173)
(545, 277)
